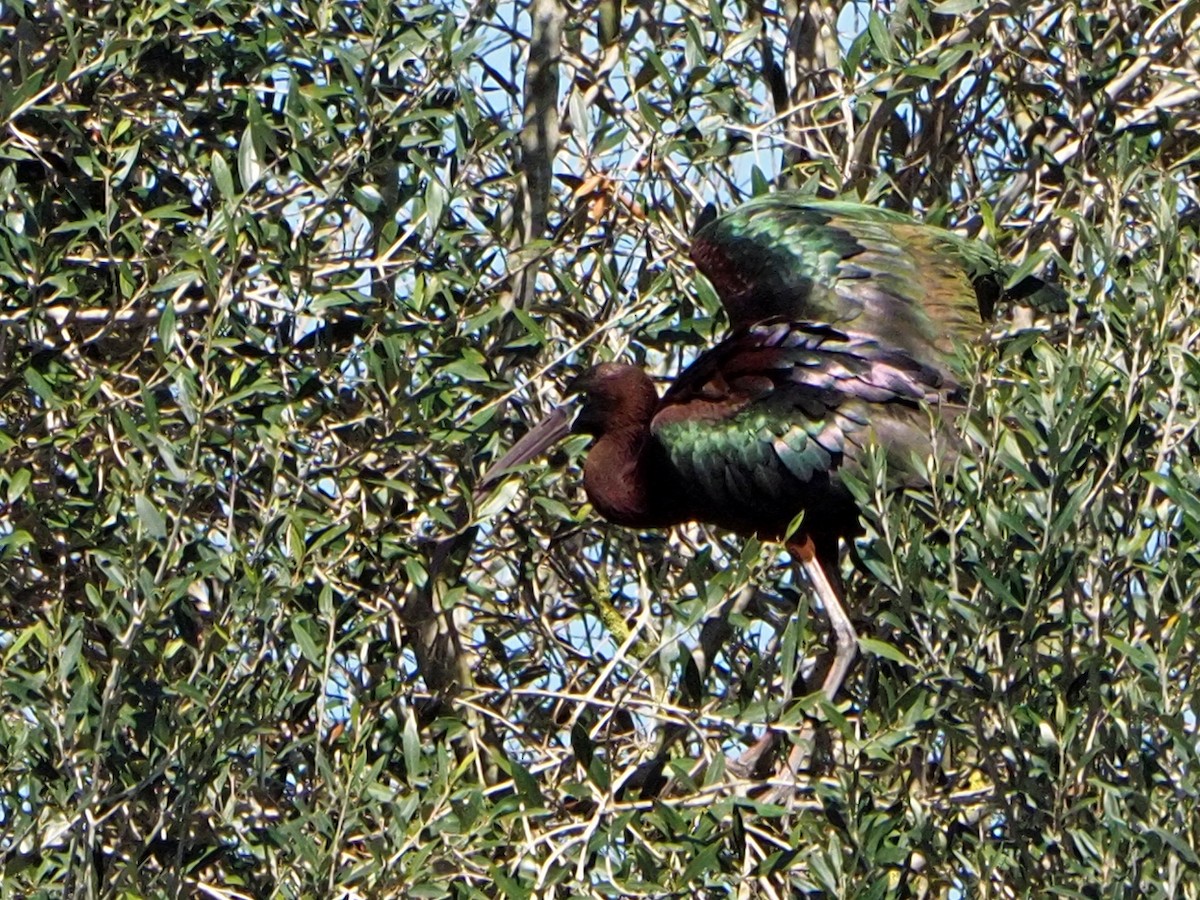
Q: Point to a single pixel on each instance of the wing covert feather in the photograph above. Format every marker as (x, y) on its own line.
(765, 422)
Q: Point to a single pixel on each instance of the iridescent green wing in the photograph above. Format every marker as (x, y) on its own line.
(878, 272)
(762, 425)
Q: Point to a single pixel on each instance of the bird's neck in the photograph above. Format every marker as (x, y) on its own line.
(629, 481)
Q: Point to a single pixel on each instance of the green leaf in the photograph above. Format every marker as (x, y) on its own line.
(303, 632)
(880, 36)
(152, 520)
(700, 864)
(166, 327)
(956, 7)
(41, 387)
(467, 369)
(744, 38)
(223, 177)
(885, 650)
(250, 168)
(411, 742)
(17, 482)
(499, 498)
(527, 786)
(510, 887)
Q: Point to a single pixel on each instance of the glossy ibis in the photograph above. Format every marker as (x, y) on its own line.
(844, 321)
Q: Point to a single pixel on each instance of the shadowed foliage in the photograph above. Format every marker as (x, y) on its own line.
(278, 281)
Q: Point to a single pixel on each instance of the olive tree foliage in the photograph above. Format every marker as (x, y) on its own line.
(278, 280)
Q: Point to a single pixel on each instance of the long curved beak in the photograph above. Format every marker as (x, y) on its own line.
(538, 439)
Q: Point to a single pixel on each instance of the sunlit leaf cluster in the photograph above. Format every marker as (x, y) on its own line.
(278, 280)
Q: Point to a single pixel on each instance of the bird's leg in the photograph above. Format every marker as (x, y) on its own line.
(820, 567)
(818, 563)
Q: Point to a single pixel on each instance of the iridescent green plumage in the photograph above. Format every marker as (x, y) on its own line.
(877, 272)
(762, 426)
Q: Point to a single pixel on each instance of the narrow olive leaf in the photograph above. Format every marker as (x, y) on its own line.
(150, 517)
(166, 326)
(41, 386)
(880, 36)
(17, 483)
(222, 177)
(884, 649)
(416, 572)
(956, 7)
(302, 632)
(436, 196)
(467, 369)
(745, 38)
(1178, 844)
(582, 744)
(500, 498)
(510, 887)
(411, 744)
(250, 168)
(527, 786)
(701, 863)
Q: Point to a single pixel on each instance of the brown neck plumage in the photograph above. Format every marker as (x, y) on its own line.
(627, 475)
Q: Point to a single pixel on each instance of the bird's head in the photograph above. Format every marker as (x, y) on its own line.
(611, 396)
(603, 399)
